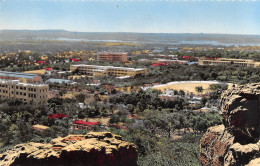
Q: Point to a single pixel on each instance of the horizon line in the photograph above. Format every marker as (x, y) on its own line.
(213, 33)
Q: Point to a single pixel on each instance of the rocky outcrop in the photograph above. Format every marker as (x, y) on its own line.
(92, 149)
(237, 141)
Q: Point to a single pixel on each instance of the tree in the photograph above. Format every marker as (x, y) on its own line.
(80, 97)
(199, 89)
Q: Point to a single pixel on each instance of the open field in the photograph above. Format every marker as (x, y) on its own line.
(187, 86)
(42, 71)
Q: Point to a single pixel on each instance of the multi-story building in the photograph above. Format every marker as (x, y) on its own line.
(23, 91)
(226, 61)
(112, 56)
(22, 77)
(97, 71)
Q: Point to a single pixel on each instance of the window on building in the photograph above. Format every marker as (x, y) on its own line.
(24, 94)
(21, 93)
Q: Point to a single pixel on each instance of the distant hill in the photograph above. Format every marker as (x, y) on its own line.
(126, 36)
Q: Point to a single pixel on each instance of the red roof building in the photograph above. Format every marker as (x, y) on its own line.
(54, 116)
(48, 68)
(83, 125)
(159, 64)
(75, 60)
(42, 62)
(186, 57)
(211, 58)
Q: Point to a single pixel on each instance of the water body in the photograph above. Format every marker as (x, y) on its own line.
(187, 42)
(216, 43)
(172, 41)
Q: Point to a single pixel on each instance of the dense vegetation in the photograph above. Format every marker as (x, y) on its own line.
(154, 135)
(177, 72)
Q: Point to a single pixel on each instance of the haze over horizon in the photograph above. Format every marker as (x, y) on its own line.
(127, 32)
(209, 17)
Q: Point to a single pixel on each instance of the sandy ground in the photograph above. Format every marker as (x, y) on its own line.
(103, 121)
(186, 86)
(42, 71)
(70, 94)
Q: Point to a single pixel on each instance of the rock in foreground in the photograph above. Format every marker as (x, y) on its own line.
(92, 149)
(237, 141)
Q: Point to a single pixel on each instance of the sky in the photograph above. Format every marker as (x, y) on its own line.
(144, 16)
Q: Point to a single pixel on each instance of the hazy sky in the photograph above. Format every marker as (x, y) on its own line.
(236, 17)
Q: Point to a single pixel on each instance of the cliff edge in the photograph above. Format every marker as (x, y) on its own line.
(92, 149)
(237, 141)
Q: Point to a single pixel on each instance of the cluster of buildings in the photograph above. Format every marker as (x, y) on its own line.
(84, 55)
(98, 71)
(167, 61)
(92, 55)
(141, 52)
(226, 62)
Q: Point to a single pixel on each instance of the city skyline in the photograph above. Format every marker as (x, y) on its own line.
(211, 17)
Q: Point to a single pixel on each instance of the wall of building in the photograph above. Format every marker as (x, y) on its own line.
(24, 92)
(98, 71)
(114, 57)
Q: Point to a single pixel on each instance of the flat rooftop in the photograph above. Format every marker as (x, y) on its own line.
(112, 53)
(17, 75)
(109, 67)
(60, 81)
(16, 82)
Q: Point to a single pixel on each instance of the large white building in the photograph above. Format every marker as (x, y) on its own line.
(96, 71)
